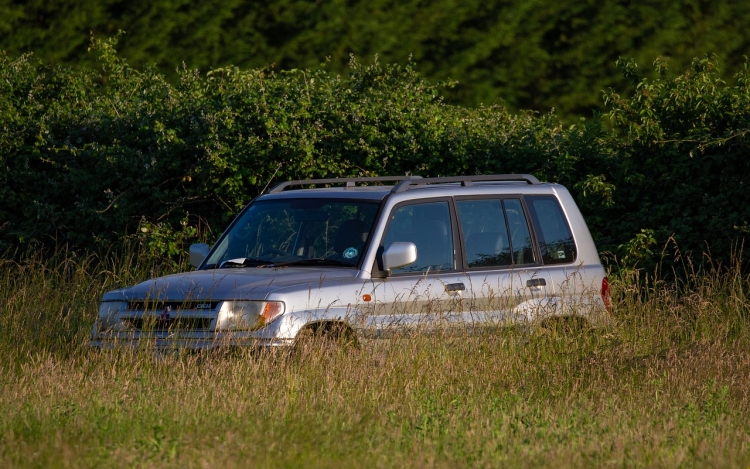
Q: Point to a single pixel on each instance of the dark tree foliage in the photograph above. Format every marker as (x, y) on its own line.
(524, 54)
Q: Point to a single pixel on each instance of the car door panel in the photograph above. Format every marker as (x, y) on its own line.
(423, 303)
(428, 294)
(507, 283)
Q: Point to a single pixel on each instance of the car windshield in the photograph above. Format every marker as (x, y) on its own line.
(303, 232)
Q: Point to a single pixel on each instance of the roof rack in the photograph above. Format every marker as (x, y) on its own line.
(465, 180)
(408, 182)
(348, 182)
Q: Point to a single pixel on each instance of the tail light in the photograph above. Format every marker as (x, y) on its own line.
(606, 298)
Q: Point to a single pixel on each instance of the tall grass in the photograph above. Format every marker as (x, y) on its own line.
(666, 386)
(49, 300)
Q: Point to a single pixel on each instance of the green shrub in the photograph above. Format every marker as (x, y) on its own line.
(87, 163)
(94, 159)
(681, 157)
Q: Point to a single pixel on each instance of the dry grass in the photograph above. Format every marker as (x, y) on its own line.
(667, 386)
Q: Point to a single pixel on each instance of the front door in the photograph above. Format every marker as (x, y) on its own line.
(429, 294)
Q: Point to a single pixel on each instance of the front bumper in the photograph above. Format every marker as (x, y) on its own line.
(278, 333)
(202, 342)
(188, 344)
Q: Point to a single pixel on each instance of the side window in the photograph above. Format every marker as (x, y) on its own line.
(520, 237)
(553, 232)
(428, 226)
(485, 232)
(495, 232)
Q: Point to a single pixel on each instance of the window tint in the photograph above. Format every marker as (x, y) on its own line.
(553, 232)
(428, 226)
(297, 229)
(485, 232)
(495, 232)
(520, 237)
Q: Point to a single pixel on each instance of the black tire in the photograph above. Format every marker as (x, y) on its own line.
(564, 325)
(325, 337)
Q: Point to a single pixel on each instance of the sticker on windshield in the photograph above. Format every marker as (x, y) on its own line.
(349, 253)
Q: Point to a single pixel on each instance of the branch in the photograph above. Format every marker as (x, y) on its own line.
(701, 146)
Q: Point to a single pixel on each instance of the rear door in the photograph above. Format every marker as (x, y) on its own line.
(507, 282)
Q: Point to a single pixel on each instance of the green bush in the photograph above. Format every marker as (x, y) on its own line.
(680, 167)
(94, 159)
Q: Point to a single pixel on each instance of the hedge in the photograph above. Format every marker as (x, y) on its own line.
(94, 158)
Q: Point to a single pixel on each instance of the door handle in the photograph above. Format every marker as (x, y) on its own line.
(454, 287)
(536, 282)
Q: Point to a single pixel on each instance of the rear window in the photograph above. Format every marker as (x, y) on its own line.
(553, 232)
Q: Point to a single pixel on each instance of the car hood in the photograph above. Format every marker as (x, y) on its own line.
(228, 284)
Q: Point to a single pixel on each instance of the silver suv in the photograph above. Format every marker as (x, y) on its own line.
(373, 257)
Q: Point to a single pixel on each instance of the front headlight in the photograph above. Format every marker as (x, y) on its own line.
(247, 315)
(109, 317)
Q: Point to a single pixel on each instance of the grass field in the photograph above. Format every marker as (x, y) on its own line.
(667, 386)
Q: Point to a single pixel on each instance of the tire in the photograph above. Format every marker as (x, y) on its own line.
(564, 325)
(324, 338)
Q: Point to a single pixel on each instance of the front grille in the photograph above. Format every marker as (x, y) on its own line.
(159, 306)
(156, 324)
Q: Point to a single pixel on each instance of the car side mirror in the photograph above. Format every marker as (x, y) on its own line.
(198, 252)
(398, 255)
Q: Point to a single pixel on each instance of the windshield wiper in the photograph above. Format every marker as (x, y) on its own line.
(318, 261)
(244, 262)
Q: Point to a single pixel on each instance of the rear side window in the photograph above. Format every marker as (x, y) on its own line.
(520, 237)
(553, 232)
(495, 232)
(485, 232)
